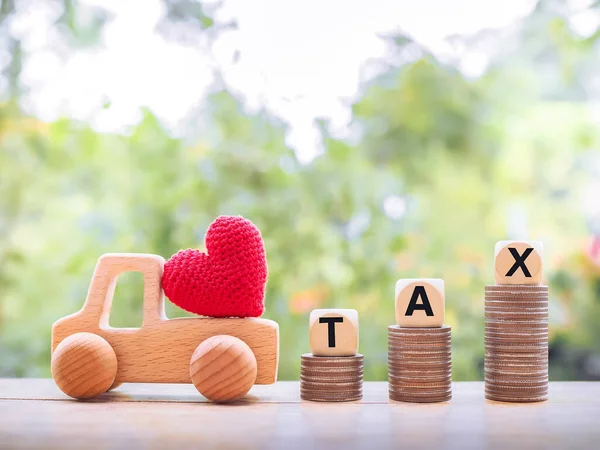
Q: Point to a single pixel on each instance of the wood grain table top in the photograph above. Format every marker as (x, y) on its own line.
(35, 414)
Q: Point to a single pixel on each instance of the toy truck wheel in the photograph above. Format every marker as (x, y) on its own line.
(223, 368)
(84, 365)
(115, 385)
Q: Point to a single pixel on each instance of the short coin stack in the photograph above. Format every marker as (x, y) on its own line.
(516, 343)
(516, 325)
(419, 364)
(331, 378)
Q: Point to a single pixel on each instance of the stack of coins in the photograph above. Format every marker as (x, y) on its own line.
(516, 343)
(419, 364)
(331, 378)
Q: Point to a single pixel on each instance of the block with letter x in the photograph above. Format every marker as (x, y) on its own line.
(518, 262)
(420, 302)
(333, 332)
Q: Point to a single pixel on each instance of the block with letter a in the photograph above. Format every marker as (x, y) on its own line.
(420, 302)
(518, 262)
(333, 332)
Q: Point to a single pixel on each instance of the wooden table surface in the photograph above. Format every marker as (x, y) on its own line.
(35, 414)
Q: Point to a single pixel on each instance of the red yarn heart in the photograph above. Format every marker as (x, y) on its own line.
(227, 281)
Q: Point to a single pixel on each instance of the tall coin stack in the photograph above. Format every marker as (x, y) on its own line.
(516, 326)
(419, 346)
(333, 372)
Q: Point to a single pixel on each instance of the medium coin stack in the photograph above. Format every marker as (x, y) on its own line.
(419, 364)
(516, 343)
(331, 378)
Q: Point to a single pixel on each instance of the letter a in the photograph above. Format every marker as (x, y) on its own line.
(423, 306)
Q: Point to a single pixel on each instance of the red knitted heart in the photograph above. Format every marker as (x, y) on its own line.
(227, 281)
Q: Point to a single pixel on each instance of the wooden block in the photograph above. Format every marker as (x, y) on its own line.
(333, 332)
(518, 262)
(161, 350)
(420, 302)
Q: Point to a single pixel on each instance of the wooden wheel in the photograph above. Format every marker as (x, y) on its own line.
(115, 385)
(223, 368)
(84, 365)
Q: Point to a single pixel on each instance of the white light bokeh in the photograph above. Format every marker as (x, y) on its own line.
(301, 60)
(395, 207)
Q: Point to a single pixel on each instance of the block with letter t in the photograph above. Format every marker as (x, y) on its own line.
(518, 262)
(333, 332)
(420, 302)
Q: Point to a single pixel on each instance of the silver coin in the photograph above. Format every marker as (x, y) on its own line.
(333, 359)
(408, 399)
(326, 399)
(419, 330)
(445, 390)
(515, 287)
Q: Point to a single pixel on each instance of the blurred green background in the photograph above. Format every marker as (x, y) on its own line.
(435, 166)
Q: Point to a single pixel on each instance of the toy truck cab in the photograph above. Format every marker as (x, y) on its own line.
(160, 351)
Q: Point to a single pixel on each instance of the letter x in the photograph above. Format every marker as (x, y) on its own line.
(519, 262)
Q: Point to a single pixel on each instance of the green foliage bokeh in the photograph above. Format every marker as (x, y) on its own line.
(466, 161)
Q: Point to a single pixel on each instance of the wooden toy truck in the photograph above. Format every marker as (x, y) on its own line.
(95, 357)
